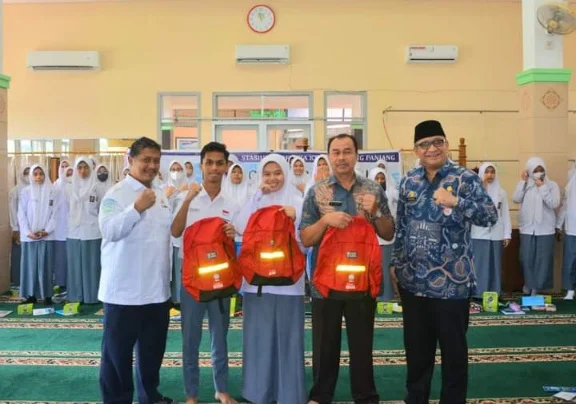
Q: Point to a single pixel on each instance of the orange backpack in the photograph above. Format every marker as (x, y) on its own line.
(209, 268)
(270, 255)
(349, 264)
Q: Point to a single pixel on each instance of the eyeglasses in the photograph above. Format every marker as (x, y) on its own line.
(437, 143)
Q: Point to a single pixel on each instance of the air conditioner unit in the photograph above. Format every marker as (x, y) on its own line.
(64, 60)
(257, 54)
(431, 54)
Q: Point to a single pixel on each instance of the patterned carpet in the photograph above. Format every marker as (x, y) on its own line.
(53, 359)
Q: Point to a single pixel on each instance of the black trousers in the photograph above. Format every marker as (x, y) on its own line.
(326, 341)
(426, 323)
(125, 327)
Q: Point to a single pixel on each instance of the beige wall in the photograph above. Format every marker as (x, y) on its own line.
(153, 46)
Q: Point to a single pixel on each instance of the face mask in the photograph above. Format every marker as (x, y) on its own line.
(176, 175)
(538, 176)
(102, 177)
(26, 179)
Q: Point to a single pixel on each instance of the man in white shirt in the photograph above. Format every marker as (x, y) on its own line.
(135, 220)
(202, 202)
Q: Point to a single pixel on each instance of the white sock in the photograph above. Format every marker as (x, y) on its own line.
(569, 295)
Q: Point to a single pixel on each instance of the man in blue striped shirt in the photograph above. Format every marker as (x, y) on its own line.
(433, 264)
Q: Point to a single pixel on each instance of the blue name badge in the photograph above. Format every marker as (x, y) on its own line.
(532, 300)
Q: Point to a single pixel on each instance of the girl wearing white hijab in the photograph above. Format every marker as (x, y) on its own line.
(386, 181)
(538, 197)
(176, 183)
(37, 216)
(103, 179)
(236, 184)
(298, 176)
(567, 223)
(276, 318)
(320, 171)
(84, 238)
(22, 182)
(63, 184)
(488, 242)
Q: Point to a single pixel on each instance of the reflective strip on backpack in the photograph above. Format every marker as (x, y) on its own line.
(213, 268)
(350, 268)
(273, 255)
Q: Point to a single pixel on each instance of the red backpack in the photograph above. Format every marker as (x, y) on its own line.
(349, 262)
(209, 268)
(270, 255)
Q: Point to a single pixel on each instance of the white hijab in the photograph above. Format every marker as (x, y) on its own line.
(492, 189)
(536, 203)
(237, 192)
(80, 190)
(61, 180)
(288, 195)
(20, 181)
(103, 187)
(40, 196)
(391, 188)
(298, 179)
(170, 182)
(383, 162)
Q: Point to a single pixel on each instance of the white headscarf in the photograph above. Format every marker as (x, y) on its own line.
(233, 158)
(20, 181)
(191, 178)
(238, 192)
(312, 180)
(298, 179)
(176, 183)
(288, 195)
(391, 188)
(80, 190)
(40, 197)
(381, 162)
(61, 181)
(103, 187)
(536, 204)
(492, 189)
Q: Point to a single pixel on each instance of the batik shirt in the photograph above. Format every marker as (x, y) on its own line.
(317, 203)
(432, 253)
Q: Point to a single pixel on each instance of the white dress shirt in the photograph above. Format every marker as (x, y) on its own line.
(567, 216)
(525, 195)
(135, 247)
(88, 228)
(502, 230)
(202, 207)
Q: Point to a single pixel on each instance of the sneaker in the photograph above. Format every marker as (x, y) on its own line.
(569, 295)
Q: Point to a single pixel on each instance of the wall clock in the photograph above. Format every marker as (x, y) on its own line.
(261, 18)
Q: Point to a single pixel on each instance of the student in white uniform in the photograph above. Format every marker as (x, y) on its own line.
(566, 224)
(84, 239)
(202, 202)
(37, 216)
(189, 172)
(298, 176)
(173, 189)
(273, 322)
(388, 184)
(538, 197)
(63, 184)
(135, 223)
(488, 242)
(236, 184)
(22, 182)
(320, 170)
(103, 180)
